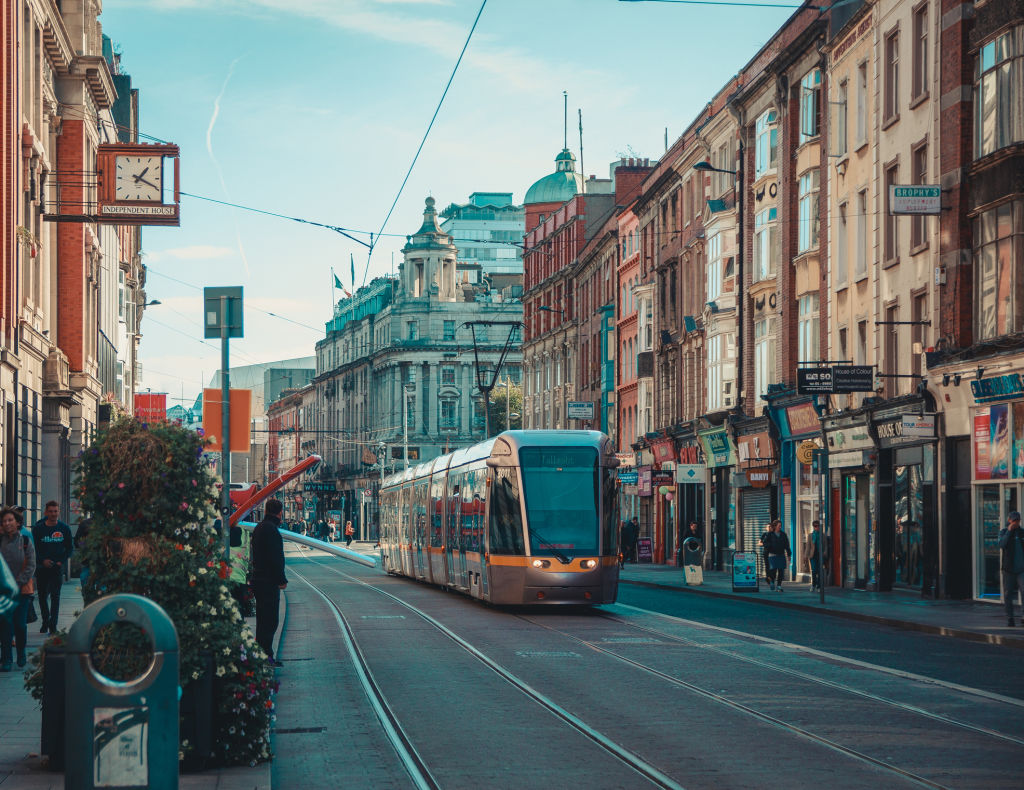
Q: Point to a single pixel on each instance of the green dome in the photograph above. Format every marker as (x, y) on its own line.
(559, 186)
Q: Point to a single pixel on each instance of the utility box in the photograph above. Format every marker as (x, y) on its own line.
(122, 734)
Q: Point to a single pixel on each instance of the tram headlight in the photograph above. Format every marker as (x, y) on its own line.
(588, 563)
(542, 563)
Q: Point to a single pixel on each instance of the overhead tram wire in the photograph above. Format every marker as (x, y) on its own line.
(430, 126)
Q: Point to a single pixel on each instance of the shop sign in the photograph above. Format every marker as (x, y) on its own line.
(717, 447)
(999, 442)
(919, 425)
(846, 439)
(805, 452)
(690, 473)
(915, 199)
(628, 476)
(644, 550)
(997, 388)
(579, 410)
(664, 450)
(691, 454)
(744, 570)
(629, 491)
(849, 458)
(892, 433)
(853, 378)
(759, 478)
(755, 448)
(643, 482)
(626, 459)
(802, 418)
(811, 381)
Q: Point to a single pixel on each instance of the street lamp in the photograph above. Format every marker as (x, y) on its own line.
(408, 392)
(151, 303)
(547, 309)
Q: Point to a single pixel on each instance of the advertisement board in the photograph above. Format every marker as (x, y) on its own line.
(644, 550)
(579, 410)
(744, 571)
(151, 406)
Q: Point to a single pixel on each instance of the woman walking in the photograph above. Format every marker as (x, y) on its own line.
(779, 554)
(20, 554)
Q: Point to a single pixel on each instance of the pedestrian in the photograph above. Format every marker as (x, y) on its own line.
(779, 554)
(268, 577)
(349, 533)
(20, 555)
(693, 545)
(630, 533)
(814, 550)
(764, 540)
(54, 546)
(1011, 544)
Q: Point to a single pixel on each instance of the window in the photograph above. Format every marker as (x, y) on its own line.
(998, 89)
(448, 375)
(767, 147)
(919, 175)
(721, 371)
(863, 234)
(764, 357)
(765, 244)
(810, 100)
(808, 329)
(999, 271)
(861, 357)
(919, 314)
(891, 345)
(410, 410)
(839, 121)
(840, 264)
(862, 104)
(891, 107)
(807, 235)
(919, 77)
(891, 227)
(449, 413)
(723, 161)
(714, 267)
(412, 330)
(449, 330)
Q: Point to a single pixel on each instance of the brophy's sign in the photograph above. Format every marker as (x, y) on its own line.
(915, 199)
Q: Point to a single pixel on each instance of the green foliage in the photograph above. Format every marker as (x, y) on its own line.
(151, 500)
(498, 409)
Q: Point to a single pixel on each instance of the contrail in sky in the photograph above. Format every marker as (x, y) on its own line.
(216, 164)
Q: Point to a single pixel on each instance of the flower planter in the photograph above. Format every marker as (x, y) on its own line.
(51, 737)
(196, 711)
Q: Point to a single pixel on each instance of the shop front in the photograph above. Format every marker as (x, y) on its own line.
(691, 477)
(627, 476)
(800, 488)
(997, 453)
(907, 545)
(851, 455)
(663, 485)
(721, 458)
(756, 491)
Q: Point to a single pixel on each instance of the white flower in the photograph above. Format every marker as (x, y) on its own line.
(220, 672)
(199, 603)
(202, 570)
(213, 610)
(195, 676)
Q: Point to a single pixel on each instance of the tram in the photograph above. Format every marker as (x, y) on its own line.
(528, 517)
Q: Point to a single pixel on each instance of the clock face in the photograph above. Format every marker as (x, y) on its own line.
(139, 178)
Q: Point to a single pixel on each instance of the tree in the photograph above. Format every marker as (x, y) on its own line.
(499, 409)
(152, 501)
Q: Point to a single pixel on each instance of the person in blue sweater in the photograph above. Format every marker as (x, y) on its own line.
(54, 544)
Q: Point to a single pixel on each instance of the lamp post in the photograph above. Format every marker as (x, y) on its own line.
(406, 394)
(547, 309)
(706, 167)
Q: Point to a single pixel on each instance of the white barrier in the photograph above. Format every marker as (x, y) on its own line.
(313, 543)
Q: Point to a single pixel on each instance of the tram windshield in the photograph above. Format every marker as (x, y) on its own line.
(560, 488)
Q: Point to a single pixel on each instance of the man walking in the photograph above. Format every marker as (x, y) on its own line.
(53, 544)
(1011, 544)
(814, 551)
(268, 577)
(779, 555)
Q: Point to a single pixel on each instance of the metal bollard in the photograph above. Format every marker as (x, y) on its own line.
(122, 734)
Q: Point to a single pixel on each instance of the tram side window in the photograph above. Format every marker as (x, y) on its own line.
(421, 514)
(454, 502)
(436, 512)
(506, 526)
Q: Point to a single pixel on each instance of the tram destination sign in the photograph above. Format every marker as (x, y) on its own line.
(835, 380)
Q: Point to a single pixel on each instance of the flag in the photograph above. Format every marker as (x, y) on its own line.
(352, 260)
(337, 282)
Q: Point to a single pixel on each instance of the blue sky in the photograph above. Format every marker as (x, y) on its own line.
(315, 108)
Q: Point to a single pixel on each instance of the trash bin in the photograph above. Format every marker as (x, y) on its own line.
(122, 733)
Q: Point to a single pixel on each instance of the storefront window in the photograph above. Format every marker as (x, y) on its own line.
(909, 504)
(807, 509)
(989, 522)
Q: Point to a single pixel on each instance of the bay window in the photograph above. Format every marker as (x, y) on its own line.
(999, 271)
(714, 252)
(765, 244)
(767, 148)
(809, 222)
(764, 357)
(999, 93)
(808, 329)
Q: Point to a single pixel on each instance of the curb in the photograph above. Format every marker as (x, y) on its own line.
(905, 625)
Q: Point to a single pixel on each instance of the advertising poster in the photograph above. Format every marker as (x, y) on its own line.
(121, 747)
(999, 446)
(644, 550)
(744, 570)
(1018, 440)
(982, 439)
(644, 480)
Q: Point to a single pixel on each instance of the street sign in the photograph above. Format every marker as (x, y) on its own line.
(853, 378)
(629, 478)
(915, 199)
(317, 486)
(579, 410)
(814, 381)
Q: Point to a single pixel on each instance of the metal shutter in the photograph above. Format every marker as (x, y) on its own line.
(755, 513)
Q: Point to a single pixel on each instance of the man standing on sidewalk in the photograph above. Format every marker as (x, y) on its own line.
(1011, 542)
(813, 551)
(53, 543)
(268, 576)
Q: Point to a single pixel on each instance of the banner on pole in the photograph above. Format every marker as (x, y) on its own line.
(241, 414)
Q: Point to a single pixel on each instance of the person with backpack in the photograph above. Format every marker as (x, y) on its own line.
(20, 555)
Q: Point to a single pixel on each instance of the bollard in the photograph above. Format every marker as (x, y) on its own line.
(122, 734)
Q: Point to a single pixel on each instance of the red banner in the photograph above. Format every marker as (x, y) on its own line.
(982, 441)
(151, 406)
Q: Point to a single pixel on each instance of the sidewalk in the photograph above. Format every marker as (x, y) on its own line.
(21, 767)
(977, 621)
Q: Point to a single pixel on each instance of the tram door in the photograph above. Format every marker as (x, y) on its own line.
(454, 552)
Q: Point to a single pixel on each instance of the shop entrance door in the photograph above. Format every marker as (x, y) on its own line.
(856, 526)
(993, 504)
(908, 495)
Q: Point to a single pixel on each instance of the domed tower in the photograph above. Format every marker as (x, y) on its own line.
(429, 260)
(553, 190)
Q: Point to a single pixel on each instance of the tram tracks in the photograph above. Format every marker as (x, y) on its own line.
(411, 760)
(653, 774)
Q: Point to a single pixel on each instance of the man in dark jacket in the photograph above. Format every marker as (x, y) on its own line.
(268, 577)
(54, 544)
(1011, 543)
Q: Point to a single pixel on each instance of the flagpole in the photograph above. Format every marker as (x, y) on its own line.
(334, 279)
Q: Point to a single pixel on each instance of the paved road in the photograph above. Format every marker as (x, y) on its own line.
(637, 694)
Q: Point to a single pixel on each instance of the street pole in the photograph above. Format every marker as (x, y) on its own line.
(508, 403)
(405, 424)
(225, 421)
